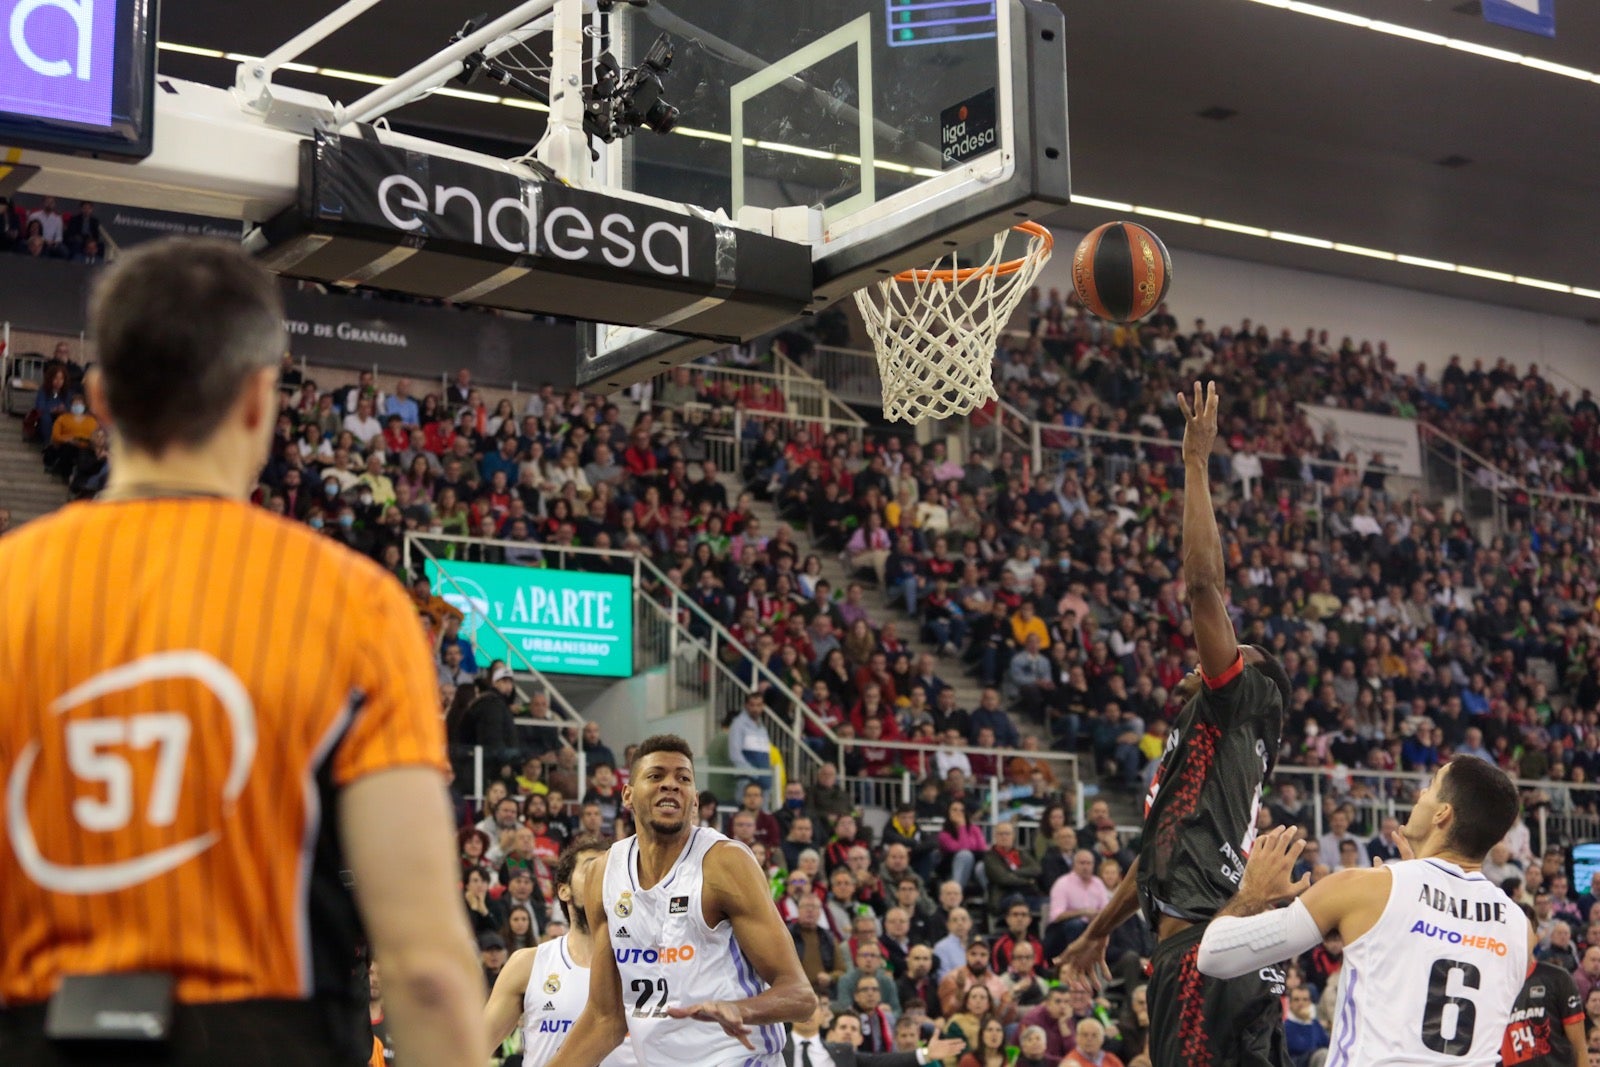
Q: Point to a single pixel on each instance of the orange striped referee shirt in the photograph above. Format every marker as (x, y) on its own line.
(185, 685)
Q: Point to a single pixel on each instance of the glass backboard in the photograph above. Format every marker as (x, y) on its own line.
(910, 127)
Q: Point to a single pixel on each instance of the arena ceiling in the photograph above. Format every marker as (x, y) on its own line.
(1338, 132)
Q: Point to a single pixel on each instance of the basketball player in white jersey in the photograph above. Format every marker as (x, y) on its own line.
(692, 959)
(547, 986)
(1434, 953)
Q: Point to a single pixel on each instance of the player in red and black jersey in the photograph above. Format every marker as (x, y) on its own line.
(1200, 816)
(1546, 1027)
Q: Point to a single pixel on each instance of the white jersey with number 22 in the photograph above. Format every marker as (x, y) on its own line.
(668, 957)
(1434, 981)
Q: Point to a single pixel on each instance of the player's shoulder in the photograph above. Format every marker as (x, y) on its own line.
(1555, 973)
(521, 965)
(727, 863)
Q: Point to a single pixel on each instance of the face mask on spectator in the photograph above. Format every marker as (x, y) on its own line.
(366, 498)
(347, 521)
(77, 409)
(332, 488)
(316, 523)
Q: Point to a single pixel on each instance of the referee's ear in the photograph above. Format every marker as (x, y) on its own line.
(94, 394)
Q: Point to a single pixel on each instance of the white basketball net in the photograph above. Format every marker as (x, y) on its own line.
(936, 331)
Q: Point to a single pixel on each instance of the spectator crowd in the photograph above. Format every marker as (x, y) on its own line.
(1410, 635)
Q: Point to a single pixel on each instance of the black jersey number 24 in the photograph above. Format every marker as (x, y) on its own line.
(645, 988)
(1459, 1040)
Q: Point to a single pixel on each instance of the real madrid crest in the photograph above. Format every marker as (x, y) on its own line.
(552, 984)
(624, 906)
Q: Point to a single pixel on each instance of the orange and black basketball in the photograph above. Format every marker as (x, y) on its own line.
(1121, 271)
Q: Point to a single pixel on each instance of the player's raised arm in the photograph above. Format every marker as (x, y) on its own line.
(500, 1015)
(740, 892)
(1203, 573)
(602, 1026)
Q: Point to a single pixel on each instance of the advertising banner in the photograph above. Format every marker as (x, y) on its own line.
(1368, 435)
(328, 329)
(560, 622)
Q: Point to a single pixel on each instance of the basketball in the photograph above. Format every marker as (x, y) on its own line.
(1121, 271)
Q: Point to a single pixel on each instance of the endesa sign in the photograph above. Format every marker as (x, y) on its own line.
(78, 75)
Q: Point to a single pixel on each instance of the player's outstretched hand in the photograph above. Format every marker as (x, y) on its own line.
(725, 1013)
(1200, 422)
(1272, 859)
(1083, 964)
(1401, 844)
(943, 1048)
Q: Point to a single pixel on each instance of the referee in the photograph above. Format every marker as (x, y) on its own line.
(220, 743)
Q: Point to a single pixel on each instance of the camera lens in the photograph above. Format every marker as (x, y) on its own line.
(662, 117)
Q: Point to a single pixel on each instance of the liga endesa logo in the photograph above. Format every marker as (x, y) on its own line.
(59, 58)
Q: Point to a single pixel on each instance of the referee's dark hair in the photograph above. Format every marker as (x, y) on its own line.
(179, 325)
(1484, 801)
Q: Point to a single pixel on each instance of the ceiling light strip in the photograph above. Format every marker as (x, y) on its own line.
(1438, 40)
(1334, 246)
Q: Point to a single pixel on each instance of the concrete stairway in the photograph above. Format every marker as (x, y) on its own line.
(25, 489)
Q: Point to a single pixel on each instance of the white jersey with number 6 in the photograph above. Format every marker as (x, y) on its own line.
(668, 957)
(558, 989)
(1435, 980)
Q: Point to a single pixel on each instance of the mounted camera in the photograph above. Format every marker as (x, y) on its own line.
(623, 101)
(619, 103)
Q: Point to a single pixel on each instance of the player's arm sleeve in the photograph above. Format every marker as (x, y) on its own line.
(398, 722)
(746, 899)
(1578, 1038)
(1235, 945)
(500, 1015)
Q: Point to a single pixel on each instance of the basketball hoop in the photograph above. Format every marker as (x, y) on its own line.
(935, 331)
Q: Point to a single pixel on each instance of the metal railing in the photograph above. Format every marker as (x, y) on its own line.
(830, 406)
(885, 791)
(1450, 468)
(851, 373)
(726, 434)
(415, 541)
(480, 777)
(1483, 489)
(676, 634)
(21, 375)
(788, 385)
(1572, 812)
(699, 655)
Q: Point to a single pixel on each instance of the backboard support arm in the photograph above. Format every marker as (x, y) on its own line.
(565, 147)
(253, 78)
(444, 65)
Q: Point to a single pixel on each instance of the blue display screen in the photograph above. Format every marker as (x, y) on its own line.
(1584, 863)
(915, 22)
(77, 74)
(59, 59)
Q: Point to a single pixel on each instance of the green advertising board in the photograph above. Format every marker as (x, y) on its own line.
(563, 622)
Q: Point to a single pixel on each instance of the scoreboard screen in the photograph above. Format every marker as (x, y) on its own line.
(914, 22)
